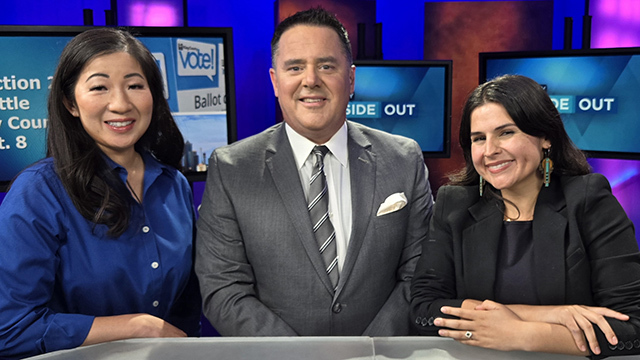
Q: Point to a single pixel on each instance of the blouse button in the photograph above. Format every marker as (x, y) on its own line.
(155, 265)
(156, 303)
(145, 229)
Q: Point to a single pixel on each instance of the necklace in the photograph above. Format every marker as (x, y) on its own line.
(510, 219)
(133, 192)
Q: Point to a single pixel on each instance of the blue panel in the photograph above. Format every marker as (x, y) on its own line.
(253, 25)
(411, 99)
(47, 12)
(402, 29)
(596, 93)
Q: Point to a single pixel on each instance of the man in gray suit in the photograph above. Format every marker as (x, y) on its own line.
(264, 269)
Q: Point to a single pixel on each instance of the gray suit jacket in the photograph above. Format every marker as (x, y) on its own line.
(257, 260)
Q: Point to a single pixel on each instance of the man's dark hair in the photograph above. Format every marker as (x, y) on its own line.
(312, 17)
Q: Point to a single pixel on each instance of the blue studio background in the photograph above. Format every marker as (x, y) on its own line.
(253, 24)
(403, 34)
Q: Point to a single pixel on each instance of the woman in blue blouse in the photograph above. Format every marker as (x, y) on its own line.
(96, 240)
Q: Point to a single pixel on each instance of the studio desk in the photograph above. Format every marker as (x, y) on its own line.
(286, 348)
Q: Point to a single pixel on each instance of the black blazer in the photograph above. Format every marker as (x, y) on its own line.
(585, 252)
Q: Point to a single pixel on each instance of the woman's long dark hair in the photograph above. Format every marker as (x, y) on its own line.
(96, 191)
(530, 107)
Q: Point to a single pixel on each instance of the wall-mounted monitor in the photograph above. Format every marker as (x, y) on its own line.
(597, 92)
(196, 64)
(409, 98)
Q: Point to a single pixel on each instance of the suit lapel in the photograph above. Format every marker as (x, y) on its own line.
(482, 239)
(362, 170)
(480, 250)
(549, 228)
(282, 166)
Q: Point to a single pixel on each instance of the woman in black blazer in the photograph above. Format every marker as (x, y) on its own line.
(527, 250)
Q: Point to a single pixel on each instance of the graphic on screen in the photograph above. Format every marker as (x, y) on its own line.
(193, 69)
(410, 99)
(27, 67)
(596, 94)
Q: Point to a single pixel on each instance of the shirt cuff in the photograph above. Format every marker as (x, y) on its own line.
(66, 331)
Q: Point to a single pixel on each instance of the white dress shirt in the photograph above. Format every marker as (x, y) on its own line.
(336, 169)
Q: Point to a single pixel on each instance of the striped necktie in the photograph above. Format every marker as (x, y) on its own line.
(319, 212)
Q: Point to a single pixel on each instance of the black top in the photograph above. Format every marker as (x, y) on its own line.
(515, 278)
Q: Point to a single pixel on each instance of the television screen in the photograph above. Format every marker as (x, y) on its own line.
(196, 65)
(595, 90)
(409, 98)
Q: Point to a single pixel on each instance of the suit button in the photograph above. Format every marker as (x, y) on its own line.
(337, 308)
(628, 345)
(418, 319)
(612, 347)
(424, 322)
(431, 321)
(620, 345)
(636, 343)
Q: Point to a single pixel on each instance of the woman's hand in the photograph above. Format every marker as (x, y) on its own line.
(149, 326)
(504, 327)
(579, 319)
(129, 326)
(489, 324)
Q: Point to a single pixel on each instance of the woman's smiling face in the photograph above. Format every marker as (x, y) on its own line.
(504, 155)
(113, 102)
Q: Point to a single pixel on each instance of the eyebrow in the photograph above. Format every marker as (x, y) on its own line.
(107, 76)
(293, 62)
(497, 128)
(326, 59)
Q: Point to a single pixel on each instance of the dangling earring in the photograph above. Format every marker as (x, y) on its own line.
(546, 167)
(481, 185)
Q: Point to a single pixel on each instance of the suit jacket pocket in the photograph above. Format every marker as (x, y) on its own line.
(396, 217)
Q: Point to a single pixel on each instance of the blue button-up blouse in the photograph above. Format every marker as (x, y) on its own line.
(58, 270)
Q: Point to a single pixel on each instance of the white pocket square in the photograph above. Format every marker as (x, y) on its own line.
(393, 203)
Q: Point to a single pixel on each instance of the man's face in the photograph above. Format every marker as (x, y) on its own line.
(312, 81)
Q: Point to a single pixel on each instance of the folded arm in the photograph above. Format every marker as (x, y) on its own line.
(120, 327)
(495, 326)
(544, 328)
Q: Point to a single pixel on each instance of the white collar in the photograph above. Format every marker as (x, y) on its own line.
(302, 146)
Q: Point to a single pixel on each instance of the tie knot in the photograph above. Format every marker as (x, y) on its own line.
(320, 150)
